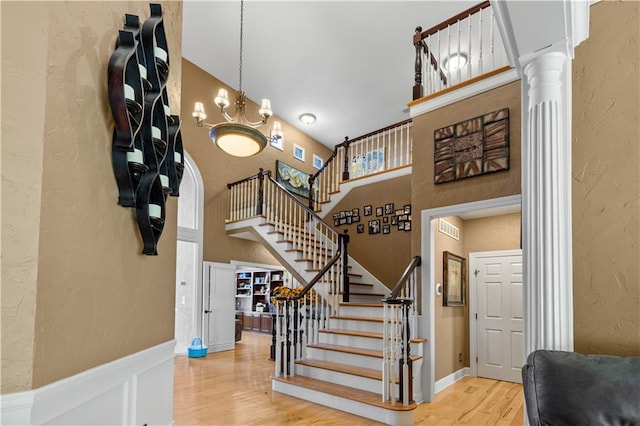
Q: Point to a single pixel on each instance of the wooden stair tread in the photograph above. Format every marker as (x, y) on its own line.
(353, 394)
(352, 350)
(352, 333)
(343, 317)
(355, 293)
(364, 305)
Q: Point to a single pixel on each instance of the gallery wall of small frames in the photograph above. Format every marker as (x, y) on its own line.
(381, 220)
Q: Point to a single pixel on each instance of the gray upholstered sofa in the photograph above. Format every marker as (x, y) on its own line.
(567, 388)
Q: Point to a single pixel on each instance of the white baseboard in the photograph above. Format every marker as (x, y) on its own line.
(136, 389)
(447, 381)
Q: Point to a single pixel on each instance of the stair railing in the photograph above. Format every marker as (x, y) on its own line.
(471, 35)
(399, 317)
(383, 150)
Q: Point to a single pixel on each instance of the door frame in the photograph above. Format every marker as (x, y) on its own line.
(195, 236)
(473, 324)
(426, 321)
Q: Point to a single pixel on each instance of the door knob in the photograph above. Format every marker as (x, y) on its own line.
(207, 311)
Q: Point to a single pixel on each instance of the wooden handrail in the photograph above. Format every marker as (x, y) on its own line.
(247, 179)
(415, 262)
(384, 129)
(450, 21)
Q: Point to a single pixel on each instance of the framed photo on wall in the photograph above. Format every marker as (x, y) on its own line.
(317, 162)
(454, 270)
(298, 152)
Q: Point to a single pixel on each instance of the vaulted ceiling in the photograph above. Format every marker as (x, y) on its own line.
(348, 62)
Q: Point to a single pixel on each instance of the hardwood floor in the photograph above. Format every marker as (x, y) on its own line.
(233, 388)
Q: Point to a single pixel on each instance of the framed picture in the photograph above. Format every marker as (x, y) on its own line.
(298, 152)
(454, 270)
(360, 228)
(277, 143)
(374, 226)
(294, 180)
(407, 209)
(399, 212)
(367, 163)
(356, 218)
(367, 210)
(394, 220)
(407, 225)
(317, 161)
(388, 208)
(385, 219)
(400, 225)
(386, 229)
(356, 211)
(379, 211)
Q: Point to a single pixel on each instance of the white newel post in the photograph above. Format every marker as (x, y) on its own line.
(546, 202)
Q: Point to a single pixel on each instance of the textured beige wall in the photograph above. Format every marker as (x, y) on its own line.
(386, 256)
(218, 168)
(606, 182)
(23, 106)
(492, 233)
(451, 341)
(97, 298)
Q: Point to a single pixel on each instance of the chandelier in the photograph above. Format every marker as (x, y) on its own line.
(238, 136)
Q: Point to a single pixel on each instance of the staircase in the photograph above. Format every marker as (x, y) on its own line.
(346, 355)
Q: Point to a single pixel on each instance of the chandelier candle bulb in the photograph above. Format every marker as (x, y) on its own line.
(156, 133)
(135, 156)
(276, 132)
(198, 112)
(177, 157)
(155, 211)
(167, 111)
(143, 71)
(265, 109)
(222, 100)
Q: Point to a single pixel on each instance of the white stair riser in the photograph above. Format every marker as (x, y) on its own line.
(361, 298)
(361, 311)
(352, 341)
(345, 358)
(343, 379)
(355, 325)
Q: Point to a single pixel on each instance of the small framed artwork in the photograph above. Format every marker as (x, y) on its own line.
(356, 211)
(349, 220)
(407, 209)
(374, 226)
(336, 222)
(385, 219)
(386, 229)
(394, 220)
(454, 269)
(400, 225)
(277, 143)
(399, 212)
(356, 218)
(379, 211)
(367, 210)
(388, 208)
(407, 225)
(317, 161)
(360, 228)
(298, 152)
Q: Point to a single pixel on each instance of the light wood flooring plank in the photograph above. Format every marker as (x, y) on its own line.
(234, 388)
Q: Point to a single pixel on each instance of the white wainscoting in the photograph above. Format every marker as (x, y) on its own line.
(134, 390)
(445, 382)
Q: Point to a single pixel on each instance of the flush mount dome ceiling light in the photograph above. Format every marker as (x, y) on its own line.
(307, 118)
(455, 62)
(238, 136)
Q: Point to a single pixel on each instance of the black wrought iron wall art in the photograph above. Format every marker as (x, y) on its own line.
(147, 152)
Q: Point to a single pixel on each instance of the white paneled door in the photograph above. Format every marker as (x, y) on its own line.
(219, 306)
(499, 308)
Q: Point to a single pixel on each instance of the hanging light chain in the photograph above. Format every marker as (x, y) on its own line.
(241, 33)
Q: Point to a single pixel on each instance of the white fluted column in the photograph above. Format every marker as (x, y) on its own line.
(546, 202)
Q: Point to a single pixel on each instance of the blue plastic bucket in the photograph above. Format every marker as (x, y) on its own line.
(196, 349)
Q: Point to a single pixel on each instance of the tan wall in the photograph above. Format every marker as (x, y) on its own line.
(492, 233)
(606, 182)
(218, 168)
(386, 256)
(451, 341)
(96, 297)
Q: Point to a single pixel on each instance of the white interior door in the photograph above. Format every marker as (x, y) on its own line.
(187, 262)
(499, 310)
(219, 306)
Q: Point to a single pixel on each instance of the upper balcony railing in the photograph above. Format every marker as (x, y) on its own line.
(458, 51)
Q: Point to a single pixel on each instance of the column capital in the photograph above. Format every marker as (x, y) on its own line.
(544, 77)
